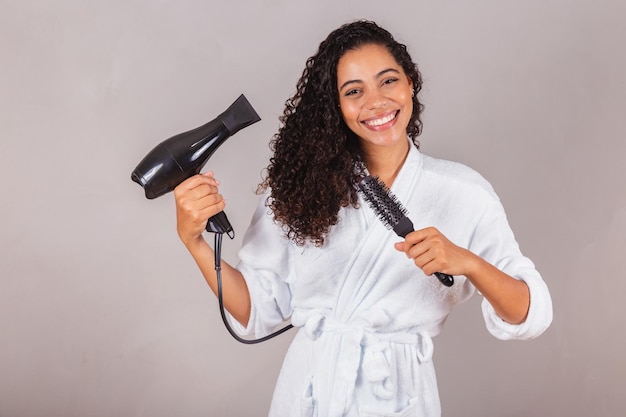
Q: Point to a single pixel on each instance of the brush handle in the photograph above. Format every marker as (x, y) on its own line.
(445, 279)
(403, 228)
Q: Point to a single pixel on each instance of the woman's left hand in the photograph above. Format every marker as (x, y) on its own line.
(433, 252)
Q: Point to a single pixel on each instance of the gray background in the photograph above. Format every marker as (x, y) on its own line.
(102, 311)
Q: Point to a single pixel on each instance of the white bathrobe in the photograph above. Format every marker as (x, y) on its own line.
(365, 313)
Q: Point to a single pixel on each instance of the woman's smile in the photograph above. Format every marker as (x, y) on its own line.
(381, 122)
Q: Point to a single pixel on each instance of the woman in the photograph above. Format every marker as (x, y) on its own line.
(364, 300)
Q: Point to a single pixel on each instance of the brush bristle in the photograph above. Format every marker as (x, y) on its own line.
(382, 201)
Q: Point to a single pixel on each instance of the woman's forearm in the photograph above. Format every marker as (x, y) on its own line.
(234, 289)
(509, 297)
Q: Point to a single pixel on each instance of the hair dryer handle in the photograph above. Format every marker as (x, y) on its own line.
(220, 224)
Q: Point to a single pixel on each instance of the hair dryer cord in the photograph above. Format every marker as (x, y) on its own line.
(218, 269)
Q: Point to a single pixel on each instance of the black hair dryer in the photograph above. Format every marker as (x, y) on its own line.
(182, 156)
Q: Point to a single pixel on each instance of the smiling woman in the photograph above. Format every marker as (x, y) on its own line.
(365, 304)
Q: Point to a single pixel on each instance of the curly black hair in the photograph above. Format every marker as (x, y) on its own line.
(317, 160)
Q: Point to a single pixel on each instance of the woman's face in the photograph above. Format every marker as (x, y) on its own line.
(375, 96)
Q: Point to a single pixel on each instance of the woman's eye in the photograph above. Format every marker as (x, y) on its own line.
(390, 80)
(352, 92)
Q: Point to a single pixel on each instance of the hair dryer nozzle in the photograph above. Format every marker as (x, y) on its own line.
(240, 114)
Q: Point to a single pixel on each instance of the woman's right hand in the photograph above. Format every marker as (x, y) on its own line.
(197, 199)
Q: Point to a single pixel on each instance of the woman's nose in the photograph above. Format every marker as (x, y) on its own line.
(376, 100)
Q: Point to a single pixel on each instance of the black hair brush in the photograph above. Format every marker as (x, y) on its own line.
(391, 212)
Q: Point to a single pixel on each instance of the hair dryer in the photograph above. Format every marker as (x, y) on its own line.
(182, 156)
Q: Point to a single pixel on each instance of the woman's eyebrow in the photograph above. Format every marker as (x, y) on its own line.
(380, 74)
(385, 71)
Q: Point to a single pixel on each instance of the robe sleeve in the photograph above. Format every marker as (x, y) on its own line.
(494, 241)
(264, 262)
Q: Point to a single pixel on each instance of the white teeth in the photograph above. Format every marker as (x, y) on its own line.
(381, 121)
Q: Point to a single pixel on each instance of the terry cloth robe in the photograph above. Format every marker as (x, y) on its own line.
(365, 313)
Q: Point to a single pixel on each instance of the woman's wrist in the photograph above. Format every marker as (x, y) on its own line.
(474, 265)
(194, 243)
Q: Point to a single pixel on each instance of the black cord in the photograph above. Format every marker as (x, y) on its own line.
(218, 270)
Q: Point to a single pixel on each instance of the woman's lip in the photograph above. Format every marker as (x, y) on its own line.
(382, 120)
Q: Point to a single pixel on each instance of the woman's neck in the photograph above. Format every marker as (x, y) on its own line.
(386, 163)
